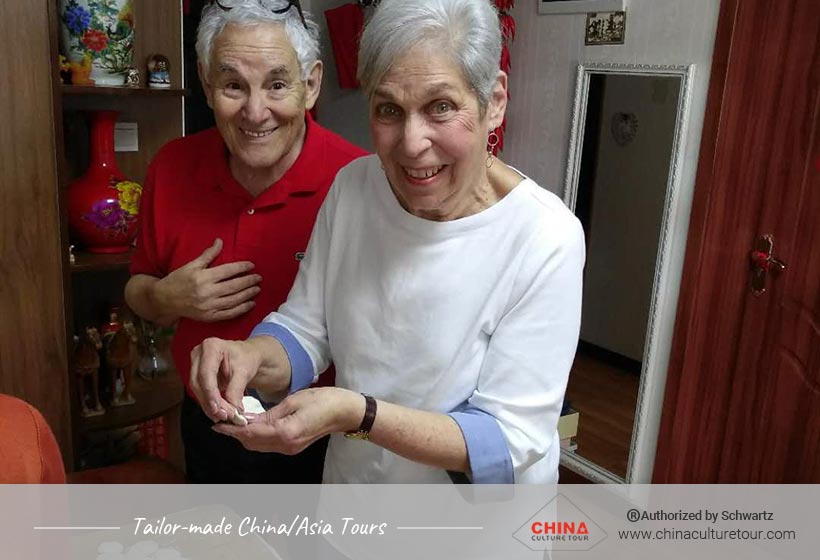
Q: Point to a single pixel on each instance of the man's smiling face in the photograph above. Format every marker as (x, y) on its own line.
(255, 89)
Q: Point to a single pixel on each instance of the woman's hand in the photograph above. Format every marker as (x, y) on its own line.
(223, 367)
(299, 420)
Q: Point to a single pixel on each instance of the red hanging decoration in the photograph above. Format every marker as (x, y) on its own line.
(507, 24)
(507, 27)
(505, 59)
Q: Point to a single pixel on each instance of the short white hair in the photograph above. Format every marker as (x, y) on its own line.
(304, 38)
(468, 31)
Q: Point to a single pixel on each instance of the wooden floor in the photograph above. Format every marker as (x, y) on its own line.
(566, 476)
(606, 397)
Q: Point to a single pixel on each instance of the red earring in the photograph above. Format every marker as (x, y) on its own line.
(492, 143)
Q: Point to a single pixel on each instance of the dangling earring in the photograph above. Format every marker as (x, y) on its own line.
(492, 142)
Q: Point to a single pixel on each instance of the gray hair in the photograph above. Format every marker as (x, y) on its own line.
(254, 12)
(466, 30)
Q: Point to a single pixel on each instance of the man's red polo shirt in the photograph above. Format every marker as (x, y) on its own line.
(190, 199)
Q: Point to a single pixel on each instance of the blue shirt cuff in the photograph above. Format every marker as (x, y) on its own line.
(487, 450)
(301, 368)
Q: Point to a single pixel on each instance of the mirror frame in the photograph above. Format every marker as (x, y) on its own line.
(663, 308)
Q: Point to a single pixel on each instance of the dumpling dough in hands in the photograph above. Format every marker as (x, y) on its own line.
(238, 419)
(250, 404)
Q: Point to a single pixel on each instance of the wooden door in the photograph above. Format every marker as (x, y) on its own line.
(33, 341)
(743, 388)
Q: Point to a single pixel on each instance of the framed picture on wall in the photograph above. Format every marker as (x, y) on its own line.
(605, 28)
(579, 6)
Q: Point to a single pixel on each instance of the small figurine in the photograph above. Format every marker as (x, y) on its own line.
(81, 72)
(132, 77)
(86, 363)
(159, 71)
(65, 70)
(151, 363)
(72, 259)
(121, 358)
(112, 327)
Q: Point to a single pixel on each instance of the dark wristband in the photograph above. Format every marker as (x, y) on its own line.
(367, 421)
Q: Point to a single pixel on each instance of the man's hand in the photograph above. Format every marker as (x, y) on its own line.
(208, 294)
(299, 420)
(222, 367)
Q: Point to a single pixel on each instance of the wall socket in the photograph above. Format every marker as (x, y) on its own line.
(126, 137)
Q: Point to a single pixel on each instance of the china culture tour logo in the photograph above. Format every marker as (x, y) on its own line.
(559, 526)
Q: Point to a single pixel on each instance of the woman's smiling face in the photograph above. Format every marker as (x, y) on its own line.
(431, 135)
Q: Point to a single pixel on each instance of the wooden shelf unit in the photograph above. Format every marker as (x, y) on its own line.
(44, 150)
(123, 91)
(97, 280)
(152, 398)
(94, 262)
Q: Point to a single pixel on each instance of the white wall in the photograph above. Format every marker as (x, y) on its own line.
(547, 50)
(342, 110)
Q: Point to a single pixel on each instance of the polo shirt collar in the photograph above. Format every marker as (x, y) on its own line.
(300, 179)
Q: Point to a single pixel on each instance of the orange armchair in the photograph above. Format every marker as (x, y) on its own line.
(29, 455)
(28, 451)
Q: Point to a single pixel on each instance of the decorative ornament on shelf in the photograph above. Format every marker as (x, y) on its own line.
(86, 363)
(507, 36)
(152, 364)
(113, 325)
(103, 205)
(159, 71)
(65, 70)
(121, 358)
(81, 71)
(132, 78)
(98, 34)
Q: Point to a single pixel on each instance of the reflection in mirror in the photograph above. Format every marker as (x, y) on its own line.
(620, 182)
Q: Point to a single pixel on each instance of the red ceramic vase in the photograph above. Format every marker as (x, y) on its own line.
(103, 205)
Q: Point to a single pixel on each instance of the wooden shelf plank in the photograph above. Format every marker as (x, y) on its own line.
(124, 91)
(153, 398)
(93, 262)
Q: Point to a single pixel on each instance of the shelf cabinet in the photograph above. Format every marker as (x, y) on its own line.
(153, 398)
(91, 262)
(44, 298)
(97, 280)
(122, 91)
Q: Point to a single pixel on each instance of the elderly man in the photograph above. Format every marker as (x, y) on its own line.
(227, 213)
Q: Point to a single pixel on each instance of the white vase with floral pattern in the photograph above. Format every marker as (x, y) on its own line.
(98, 34)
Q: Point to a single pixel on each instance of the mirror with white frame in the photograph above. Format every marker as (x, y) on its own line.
(626, 150)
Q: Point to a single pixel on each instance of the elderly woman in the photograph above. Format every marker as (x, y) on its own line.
(444, 285)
